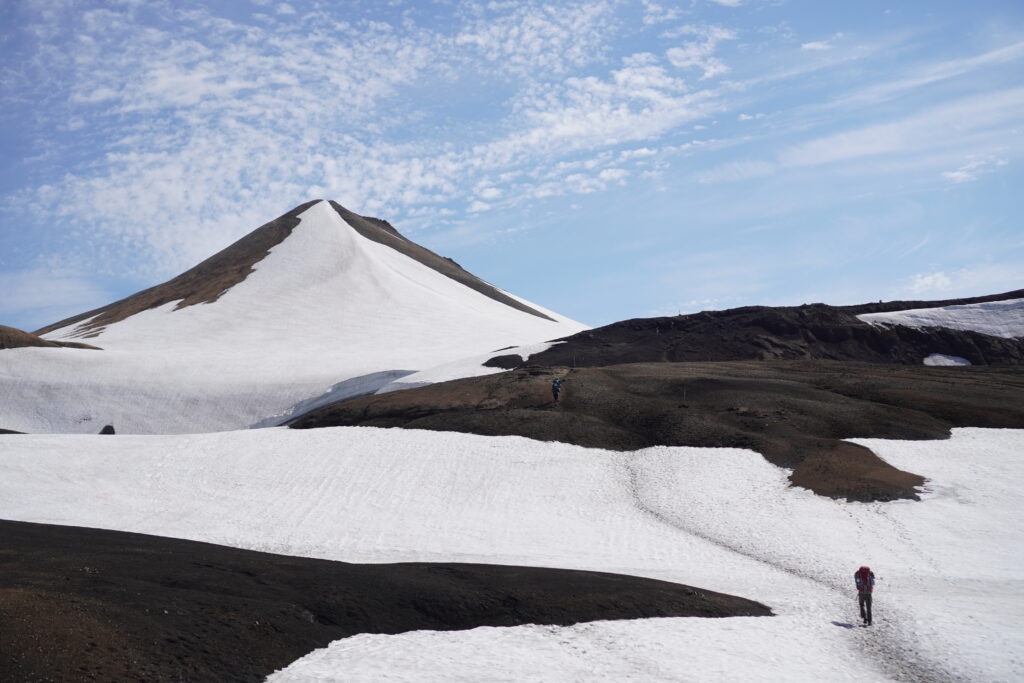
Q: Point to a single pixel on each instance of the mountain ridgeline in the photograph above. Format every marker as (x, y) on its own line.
(808, 332)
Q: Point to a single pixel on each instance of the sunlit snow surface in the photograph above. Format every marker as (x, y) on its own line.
(325, 306)
(997, 318)
(950, 568)
(942, 360)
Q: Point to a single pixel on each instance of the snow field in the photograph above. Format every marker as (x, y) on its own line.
(997, 318)
(735, 649)
(949, 568)
(325, 305)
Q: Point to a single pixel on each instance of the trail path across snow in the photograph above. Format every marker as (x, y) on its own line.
(950, 570)
(885, 646)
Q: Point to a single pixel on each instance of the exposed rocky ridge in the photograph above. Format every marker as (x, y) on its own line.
(794, 413)
(204, 283)
(384, 233)
(890, 306)
(813, 331)
(208, 281)
(89, 604)
(13, 338)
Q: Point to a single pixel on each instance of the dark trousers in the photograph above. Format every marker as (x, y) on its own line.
(864, 600)
(554, 394)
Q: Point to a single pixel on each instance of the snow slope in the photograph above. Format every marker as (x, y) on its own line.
(325, 306)
(950, 569)
(996, 318)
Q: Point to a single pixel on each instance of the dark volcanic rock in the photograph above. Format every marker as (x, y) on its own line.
(814, 331)
(795, 413)
(13, 338)
(88, 604)
(107, 429)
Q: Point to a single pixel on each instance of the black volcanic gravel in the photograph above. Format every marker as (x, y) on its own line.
(89, 604)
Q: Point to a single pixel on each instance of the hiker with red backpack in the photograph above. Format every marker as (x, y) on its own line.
(865, 580)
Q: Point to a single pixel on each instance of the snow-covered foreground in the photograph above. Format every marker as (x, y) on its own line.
(325, 306)
(997, 318)
(950, 568)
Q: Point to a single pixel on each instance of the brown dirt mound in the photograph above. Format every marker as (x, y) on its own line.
(814, 331)
(795, 413)
(88, 604)
(13, 338)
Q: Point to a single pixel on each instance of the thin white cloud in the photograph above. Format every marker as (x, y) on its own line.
(637, 153)
(935, 73)
(531, 36)
(490, 192)
(736, 170)
(700, 53)
(972, 280)
(929, 283)
(972, 170)
(946, 125)
(655, 13)
(816, 45)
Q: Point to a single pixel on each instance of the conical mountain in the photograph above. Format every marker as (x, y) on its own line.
(317, 297)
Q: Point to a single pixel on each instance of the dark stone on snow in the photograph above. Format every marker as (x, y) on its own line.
(508, 362)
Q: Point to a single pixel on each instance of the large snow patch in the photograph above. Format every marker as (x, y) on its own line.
(950, 568)
(996, 318)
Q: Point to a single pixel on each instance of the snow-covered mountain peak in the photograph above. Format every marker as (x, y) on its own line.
(312, 243)
(317, 297)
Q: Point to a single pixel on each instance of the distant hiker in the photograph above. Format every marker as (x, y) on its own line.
(556, 386)
(865, 580)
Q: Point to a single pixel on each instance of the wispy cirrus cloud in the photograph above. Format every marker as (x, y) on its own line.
(961, 122)
(973, 169)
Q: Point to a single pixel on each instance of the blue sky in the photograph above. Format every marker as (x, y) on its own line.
(607, 159)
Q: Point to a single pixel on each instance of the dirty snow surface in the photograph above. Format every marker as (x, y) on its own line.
(325, 307)
(950, 568)
(996, 318)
